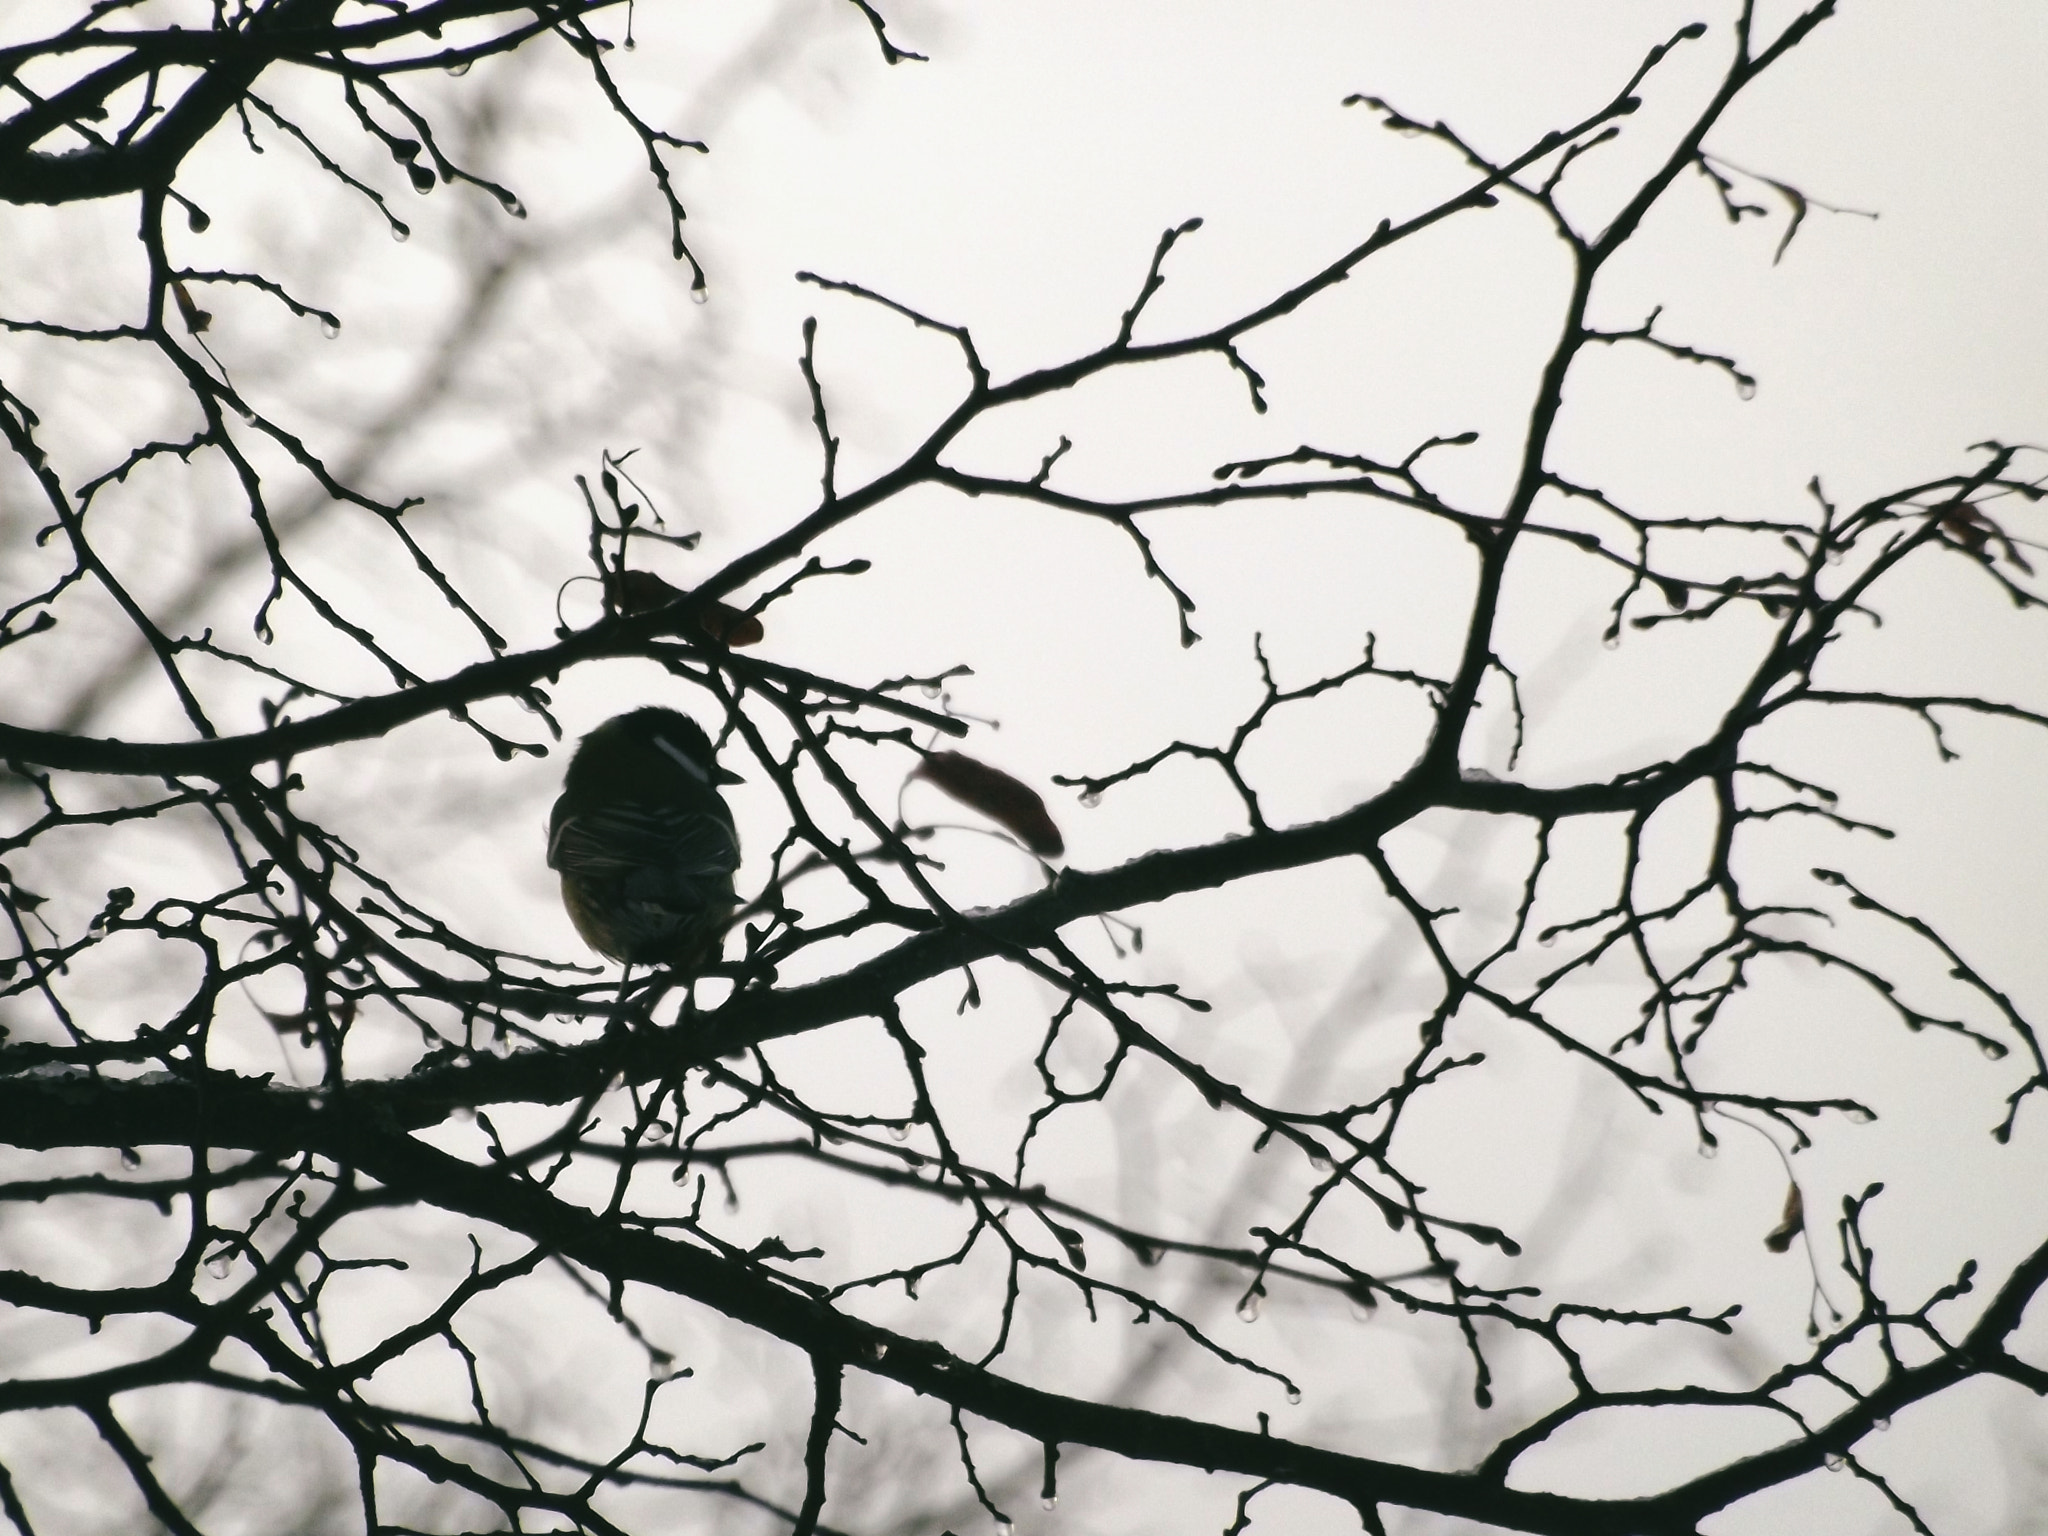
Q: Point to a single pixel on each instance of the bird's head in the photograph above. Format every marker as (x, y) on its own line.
(645, 745)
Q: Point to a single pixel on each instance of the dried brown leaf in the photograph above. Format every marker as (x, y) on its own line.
(195, 318)
(643, 591)
(1011, 803)
(735, 626)
(1790, 1224)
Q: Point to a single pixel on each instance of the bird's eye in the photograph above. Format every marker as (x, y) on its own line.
(682, 760)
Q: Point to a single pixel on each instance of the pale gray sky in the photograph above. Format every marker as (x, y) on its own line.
(1016, 184)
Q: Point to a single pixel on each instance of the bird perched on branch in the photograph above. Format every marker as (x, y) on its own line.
(644, 841)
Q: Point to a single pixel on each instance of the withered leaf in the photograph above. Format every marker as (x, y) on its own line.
(643, 591)
(195, 318)
(1009, 802)
(735, 626)
(638, 591)
(1968, 526)
(1790, 1224)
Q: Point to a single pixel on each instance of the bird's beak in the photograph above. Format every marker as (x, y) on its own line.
(724, 776)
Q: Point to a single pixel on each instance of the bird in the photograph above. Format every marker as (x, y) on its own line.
(644, 842)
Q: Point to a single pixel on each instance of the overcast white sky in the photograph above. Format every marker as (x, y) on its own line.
(1016, 184)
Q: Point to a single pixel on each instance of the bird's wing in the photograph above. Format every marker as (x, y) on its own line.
(622, 838)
